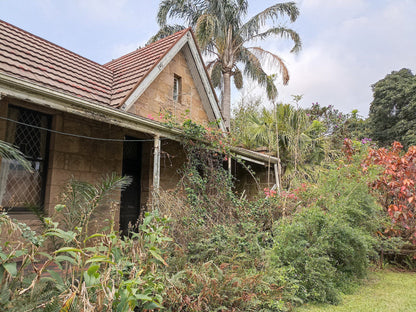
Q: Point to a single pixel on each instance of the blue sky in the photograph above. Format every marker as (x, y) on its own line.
(347, 44)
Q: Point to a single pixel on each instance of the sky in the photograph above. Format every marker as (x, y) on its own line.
(348, 45)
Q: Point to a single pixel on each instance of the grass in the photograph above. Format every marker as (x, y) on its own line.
(384, 291)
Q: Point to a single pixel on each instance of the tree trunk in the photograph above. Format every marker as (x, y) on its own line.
(226, 99)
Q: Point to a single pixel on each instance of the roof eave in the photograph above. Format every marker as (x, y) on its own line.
(40, 95)
(263, 159)
(27, 91)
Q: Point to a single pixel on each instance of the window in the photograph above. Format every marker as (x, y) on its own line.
(177, 88)
(18, 187)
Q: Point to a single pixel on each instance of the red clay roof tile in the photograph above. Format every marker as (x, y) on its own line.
(34, 59)
(130, 69)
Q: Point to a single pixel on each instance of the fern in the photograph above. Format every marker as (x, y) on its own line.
(53, 306)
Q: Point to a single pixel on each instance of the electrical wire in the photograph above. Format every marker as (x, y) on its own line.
(77, 135)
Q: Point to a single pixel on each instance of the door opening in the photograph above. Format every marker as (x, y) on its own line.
(130, 197)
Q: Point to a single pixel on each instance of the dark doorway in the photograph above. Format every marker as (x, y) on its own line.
(130, 197)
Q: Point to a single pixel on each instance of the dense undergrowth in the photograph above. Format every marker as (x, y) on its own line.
(204, 248)
(308, 244)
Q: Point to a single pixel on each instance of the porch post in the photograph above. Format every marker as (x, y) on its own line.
(276, 174)
(156, 171)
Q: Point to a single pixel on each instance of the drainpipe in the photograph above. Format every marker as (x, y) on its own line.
(156, 172)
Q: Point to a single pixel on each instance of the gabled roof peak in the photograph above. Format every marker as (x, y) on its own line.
(130, 69)
(34, 59)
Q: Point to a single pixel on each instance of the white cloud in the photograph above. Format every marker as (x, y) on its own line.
(348, 45)
(103, 9)
(122, 49)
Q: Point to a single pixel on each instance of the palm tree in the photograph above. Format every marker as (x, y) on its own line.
(8, 151)
(221, 33)
(287, 133)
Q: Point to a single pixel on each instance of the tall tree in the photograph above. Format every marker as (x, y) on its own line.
(221, 30)
(392, 114)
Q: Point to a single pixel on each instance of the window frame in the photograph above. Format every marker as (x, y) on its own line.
(40, 163)
(177, 88)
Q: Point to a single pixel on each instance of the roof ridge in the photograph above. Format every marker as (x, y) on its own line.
(147, 46)
(180, 34)
(119, 65)
(51, 43)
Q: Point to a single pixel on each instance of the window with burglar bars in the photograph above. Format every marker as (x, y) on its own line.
(20, 188)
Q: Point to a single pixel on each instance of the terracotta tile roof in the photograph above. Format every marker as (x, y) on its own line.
(34, 59)
(129, 70)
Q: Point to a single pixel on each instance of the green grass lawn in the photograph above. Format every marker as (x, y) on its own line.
(384, 291)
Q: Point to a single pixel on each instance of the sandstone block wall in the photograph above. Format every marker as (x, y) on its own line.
(80, 158)
(172, 161)
(158, 98)
(252, 185)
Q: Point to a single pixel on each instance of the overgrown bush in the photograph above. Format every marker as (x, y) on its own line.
(96, 272)
(308, 243)
(228, 287)
(326, 246)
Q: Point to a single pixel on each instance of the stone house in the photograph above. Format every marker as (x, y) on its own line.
(72, 117)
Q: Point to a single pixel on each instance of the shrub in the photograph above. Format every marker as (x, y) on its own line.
(326, 246)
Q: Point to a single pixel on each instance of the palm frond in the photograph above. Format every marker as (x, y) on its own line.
(187, 10)
(210, 65)
(165, 31)
(228, 12)
(282, 32)
(275, 60)
(8, 151)
(80, 199)
(254, 25)
(253, 68)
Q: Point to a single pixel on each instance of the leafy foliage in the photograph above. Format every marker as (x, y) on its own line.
(80, 201)
(8, 151)
(306, 243)
(392, 112)
(285, 132)
(97, 272)
(326, 246)
(337, 124)
(208, 287)
(396, 185)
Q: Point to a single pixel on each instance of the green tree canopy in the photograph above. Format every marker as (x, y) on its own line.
(393, 110)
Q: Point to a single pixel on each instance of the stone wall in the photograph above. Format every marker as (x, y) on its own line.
(252, 184)
(158, 98)
(81, 158)
(172, 160)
